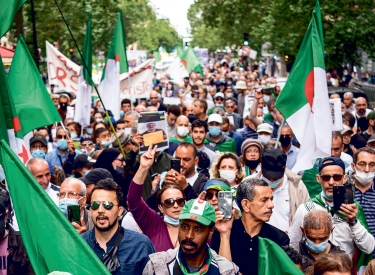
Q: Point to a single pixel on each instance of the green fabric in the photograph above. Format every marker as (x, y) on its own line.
(273, 260)
(211, 110)
(203, 270)
(191, 61)
(309, 179)
(310, 56)
(186, 139)
(156, 55)
(87, 52)
(32, 102)
(7, 111)
(8, 11)
(51, 241)
(226, 146)
(268, 117)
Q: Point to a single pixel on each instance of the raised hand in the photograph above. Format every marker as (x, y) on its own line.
(147, 159)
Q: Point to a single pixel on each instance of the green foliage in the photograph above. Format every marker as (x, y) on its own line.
(348, 24)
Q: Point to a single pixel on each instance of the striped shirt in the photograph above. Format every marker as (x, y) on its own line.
(367, 201)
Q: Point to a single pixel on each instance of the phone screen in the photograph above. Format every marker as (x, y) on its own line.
(339, 196)
(176, 165)
(225, 203)
(74, 214)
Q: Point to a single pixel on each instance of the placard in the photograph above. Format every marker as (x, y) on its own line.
(336, 115)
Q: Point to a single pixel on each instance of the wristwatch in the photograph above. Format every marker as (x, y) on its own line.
(353, 222)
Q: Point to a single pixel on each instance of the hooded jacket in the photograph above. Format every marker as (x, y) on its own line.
(225, 144)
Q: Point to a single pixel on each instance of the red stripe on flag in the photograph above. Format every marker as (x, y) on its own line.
(117, 58)
(16, 124)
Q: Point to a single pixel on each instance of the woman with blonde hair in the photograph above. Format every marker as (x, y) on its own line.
(228, 166)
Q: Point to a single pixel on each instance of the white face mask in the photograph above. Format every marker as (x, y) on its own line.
(182, 131)
(364, 178)
(264, 138)
(228, 175)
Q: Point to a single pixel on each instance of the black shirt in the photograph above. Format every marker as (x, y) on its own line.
(244, 249)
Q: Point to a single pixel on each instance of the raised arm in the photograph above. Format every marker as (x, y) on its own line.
(253, 111)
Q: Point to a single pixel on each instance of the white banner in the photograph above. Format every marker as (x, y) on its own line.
(136, 58)
(62, 72)
(140, 81)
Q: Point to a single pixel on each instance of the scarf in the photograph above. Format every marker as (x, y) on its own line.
(203, 270)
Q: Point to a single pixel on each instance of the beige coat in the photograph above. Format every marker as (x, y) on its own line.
(298, 193)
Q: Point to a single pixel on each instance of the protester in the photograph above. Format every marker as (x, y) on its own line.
(200, 109)
(155, 101)
(64, 101)
(212, 188)
(251, 152)
(173, 113)
(92, 178)
(182, 130)
(346, 133)
(230, 106)
(193, 256)
(371, 142)
(83, 164)
(121, 250)
(361, 113)
(264, 131)
(162, 230)
(228, 166)
(87, 146)
(370, 130)
(333, 263)
(229, 130)
(103, 138)
(237, 240)
(337, 147)
(216, 138)
(125, 105)
(199, 132)
(130, 117)
(286, 137)
(348, 101)
(348, 221)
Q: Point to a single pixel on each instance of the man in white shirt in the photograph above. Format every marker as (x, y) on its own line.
(361, 113)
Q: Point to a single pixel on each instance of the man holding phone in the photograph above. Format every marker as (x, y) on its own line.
(348, 221)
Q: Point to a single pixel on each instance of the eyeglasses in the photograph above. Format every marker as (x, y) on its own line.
(364, 164)
(61, 136)
(219, 99)
(210, 195)
(87, 144)
(336, 177)
(252, 152)
(121, 159)
(168, 203)
(70, 195)
(107, 205)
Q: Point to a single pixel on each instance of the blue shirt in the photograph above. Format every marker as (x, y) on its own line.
(56, 158)
(238, 139)
(132, 253)
(291, 157)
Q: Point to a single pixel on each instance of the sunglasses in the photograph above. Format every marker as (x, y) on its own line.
(86, 144)
(168, 203)
(107, 205)
(121, 159)
(61, 136)
(336, 177)
(210, 195)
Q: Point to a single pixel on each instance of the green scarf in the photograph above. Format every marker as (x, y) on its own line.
(362, 259)
(201, 271)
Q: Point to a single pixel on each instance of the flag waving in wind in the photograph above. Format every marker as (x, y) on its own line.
(117, 64)
(8, 11)
(304, 100)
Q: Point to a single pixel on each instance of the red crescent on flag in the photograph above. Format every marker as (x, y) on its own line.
(309, 88)
(183, 61)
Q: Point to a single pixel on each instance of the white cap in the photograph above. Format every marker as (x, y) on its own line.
(345, 129)
(265, 127)
(219, 94)
(215, 118)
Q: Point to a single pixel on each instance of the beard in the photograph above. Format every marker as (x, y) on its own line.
(105, 229)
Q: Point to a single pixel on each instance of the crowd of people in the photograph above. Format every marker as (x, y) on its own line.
(141, 216)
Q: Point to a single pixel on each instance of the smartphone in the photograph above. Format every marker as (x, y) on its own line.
(342, 194)
(176, 165)
(74, 214)
(225, 203)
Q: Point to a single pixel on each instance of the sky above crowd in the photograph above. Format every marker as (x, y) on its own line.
(176, 12)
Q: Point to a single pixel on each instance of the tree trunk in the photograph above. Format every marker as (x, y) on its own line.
(283, 72)
(19, 23)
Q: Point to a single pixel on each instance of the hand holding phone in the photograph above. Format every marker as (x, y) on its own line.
(176, 165)
(74, 214)
(225, 203)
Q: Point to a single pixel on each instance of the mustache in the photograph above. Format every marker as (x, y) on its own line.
(268, 212)
(189, 243)
(101, 217)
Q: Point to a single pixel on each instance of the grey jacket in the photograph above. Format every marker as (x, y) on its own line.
(161, 263)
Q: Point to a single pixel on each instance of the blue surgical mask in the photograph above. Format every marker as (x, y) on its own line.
(86, 172)
(64, 203)
(97, 120)
(119, 170)
(38, 154)
(330, 198)
(170, 220)
(266, 98)
(272, 184)
(121, 113)
(73, 135)
(316, 248)
(226, 133)
(62, 144)
(219, 104)
(214, 131)
(105, 143)
(229, 95)
(89, 131)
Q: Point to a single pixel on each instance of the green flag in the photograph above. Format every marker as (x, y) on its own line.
(273, 260)
(8, 10)
(87, 52)
(5, 116)
(32, 102)
(51, 242)
(191, 61)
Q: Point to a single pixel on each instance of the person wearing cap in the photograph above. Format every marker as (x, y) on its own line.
(361, 112)
(237, 239)
(87, 146)
(346, 133)
(193, 256)
(251, 151)
(92, 178)
(43, 131)
(348, 221)
(212, 188)
(291, 151)
(200, 109)
(241, 89)
(83, 164)
(39, 147)
(219, 102)
(125, 141)
(337, 147)
(288, 189)
(218, 139)
(264, 131)
(371, 142)
(370, 126)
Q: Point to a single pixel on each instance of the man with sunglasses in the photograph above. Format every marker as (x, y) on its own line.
(87, 146)
(154, 101)
(348, 221)
(193, 256)
(111, 242)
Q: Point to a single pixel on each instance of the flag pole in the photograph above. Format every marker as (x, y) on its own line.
(66, 133)
(279, 133)
(89, 72)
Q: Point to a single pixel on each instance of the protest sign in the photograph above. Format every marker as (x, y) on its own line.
(62, 72)
(140, 81)
(153, 128)
(136, 58)
(202, 55)
(335, 108)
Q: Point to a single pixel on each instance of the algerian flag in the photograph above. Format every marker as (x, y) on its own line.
(177, 71)
(191, 61)
(8, 11)
(273, 260)
(109, 87)
(304, 99)
(85, 83)
(51, 241)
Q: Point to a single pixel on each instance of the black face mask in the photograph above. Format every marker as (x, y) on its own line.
(252, 164)
(63, 106)
(285, 140)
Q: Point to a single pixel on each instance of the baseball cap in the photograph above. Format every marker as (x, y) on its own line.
(265, 127)
(371, 139)
(241, 85)
(83, 160)
(250, 141)
(39, 138)
(346, 129)
(200, 211)
(2, 216)
(85, 138)
(371, 115)
(219, 94)
(96, 175)
(331, 161)
(217, 184)
(124, 138)
(215, 118)
(273, 163)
